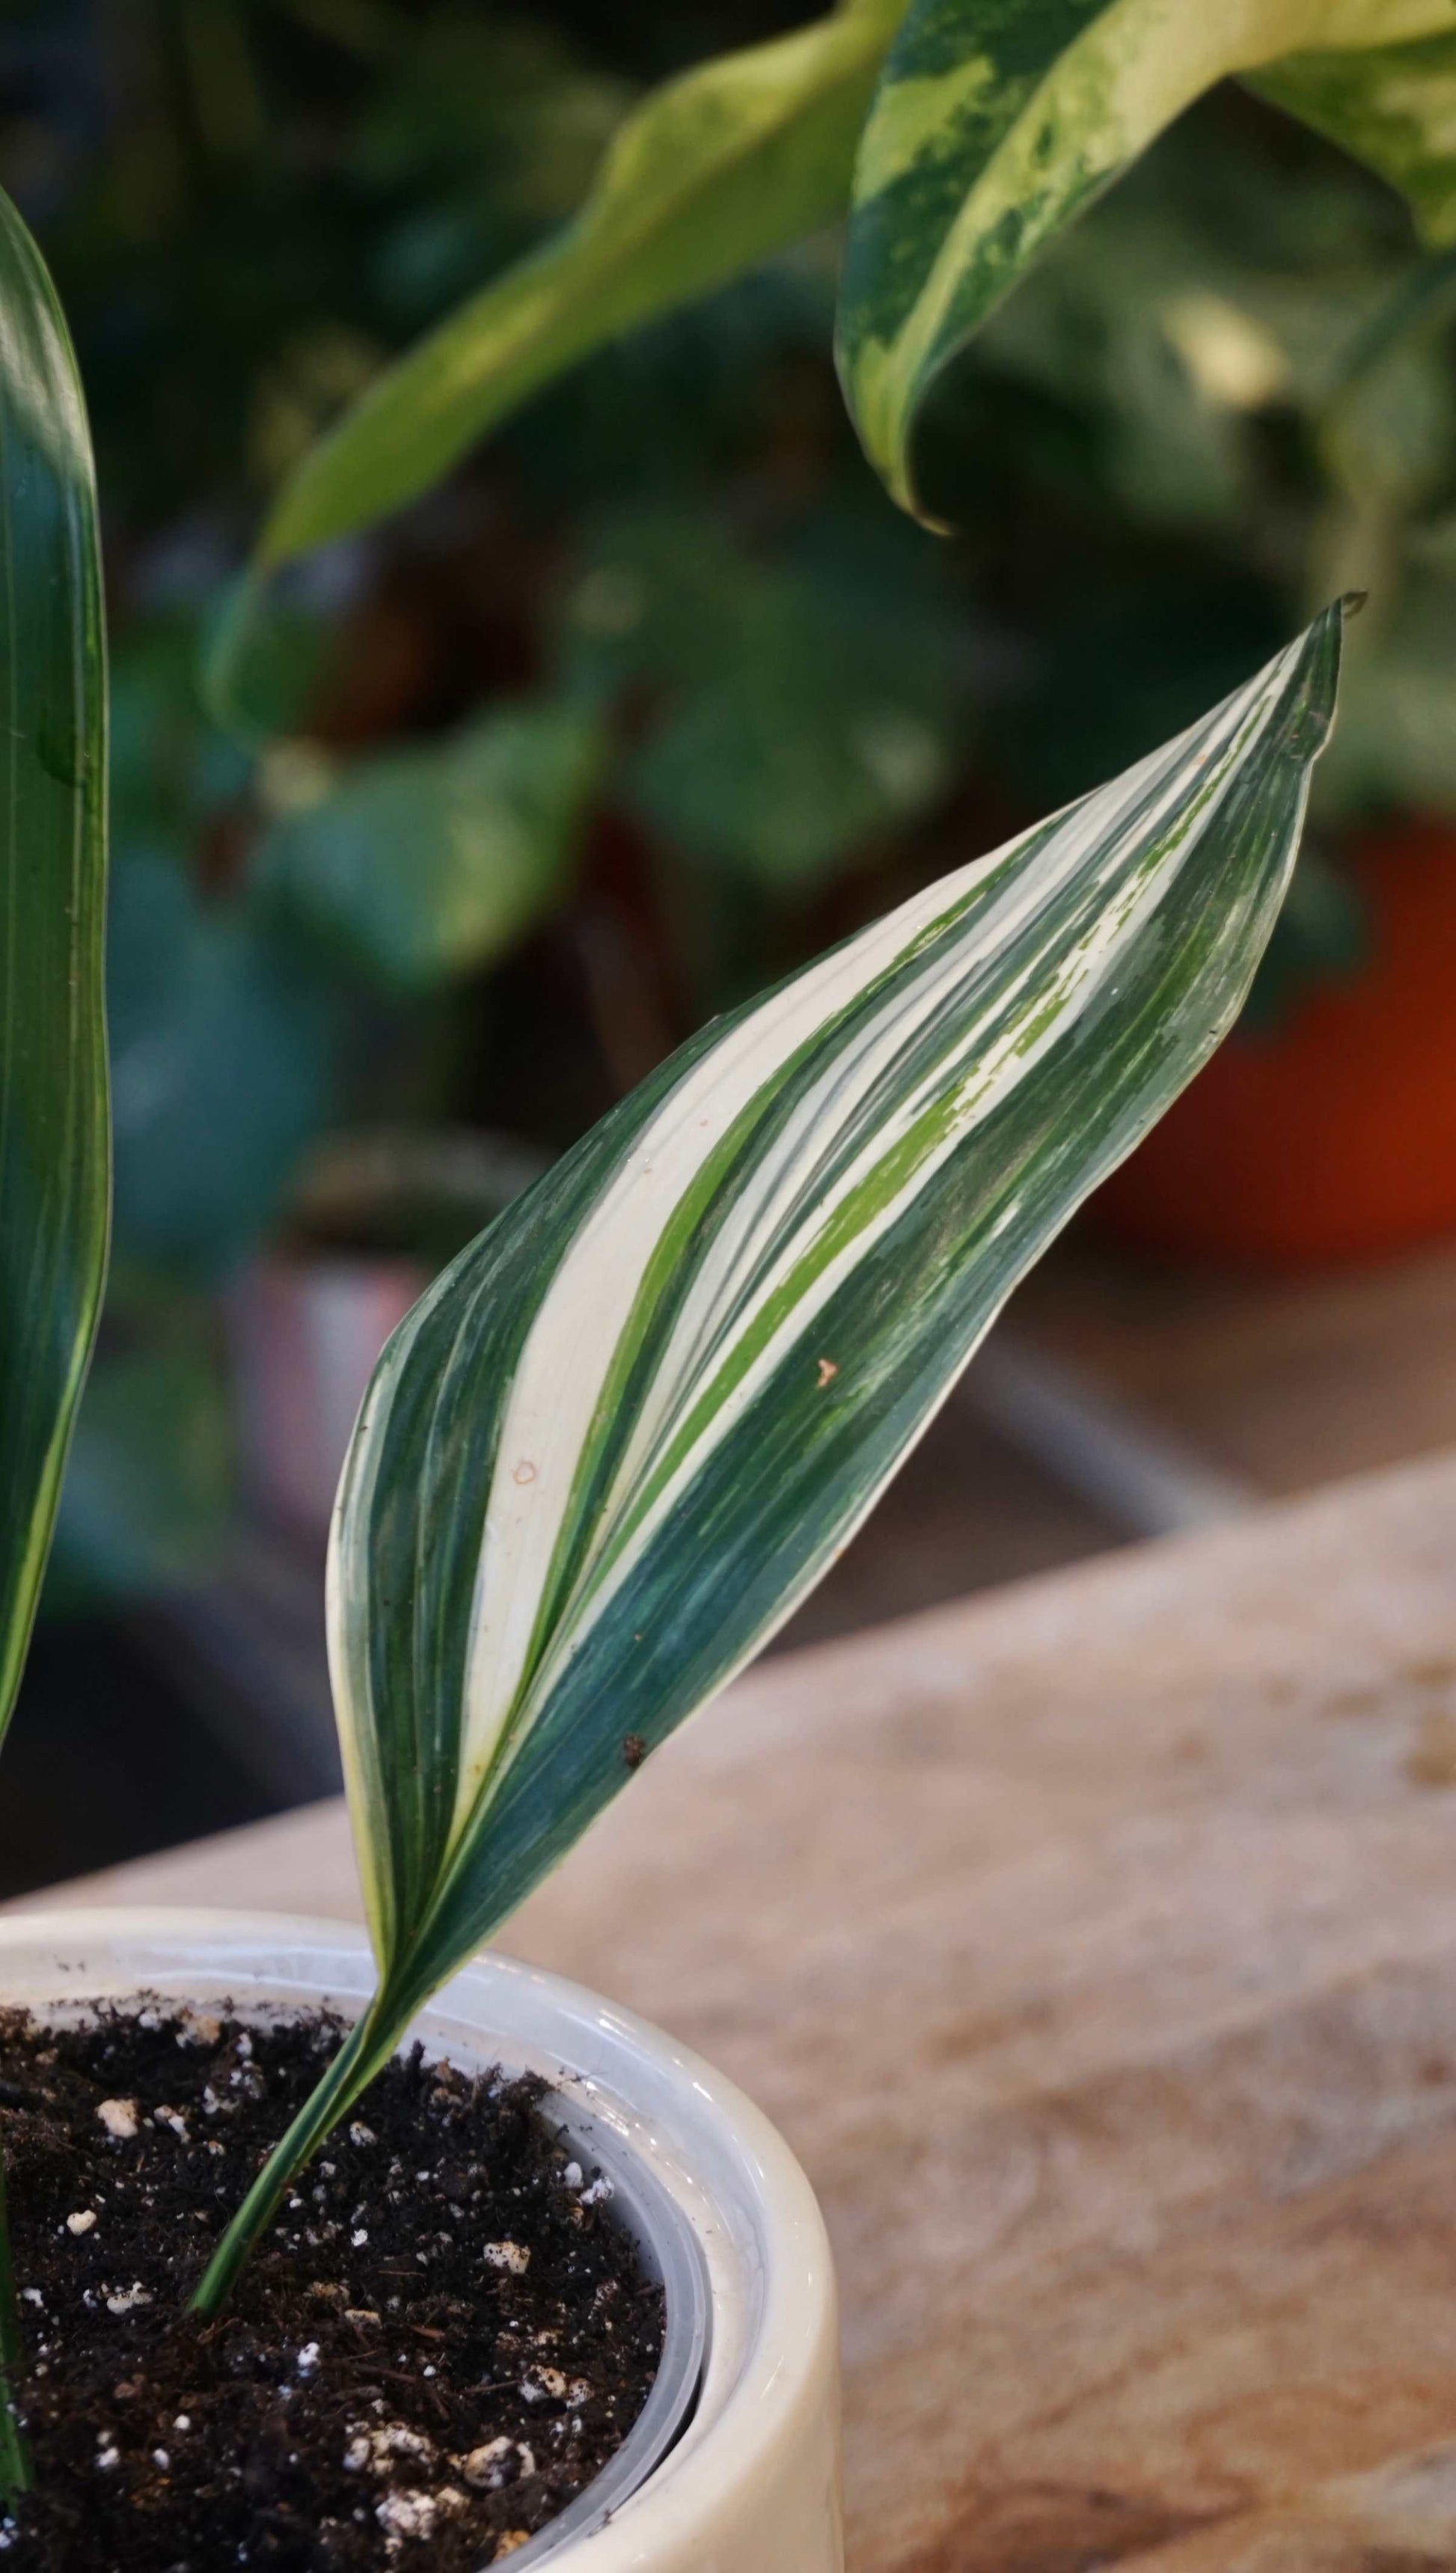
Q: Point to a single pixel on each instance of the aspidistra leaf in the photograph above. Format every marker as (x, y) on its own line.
(54, 1135)
(632, 1425)
(996, 122)
(627, 1429)
(716, 171)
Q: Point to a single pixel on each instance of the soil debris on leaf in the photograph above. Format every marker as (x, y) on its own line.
(441, 2343)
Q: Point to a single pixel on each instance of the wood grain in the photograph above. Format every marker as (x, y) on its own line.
(1095, 1943)
(1284, 1380)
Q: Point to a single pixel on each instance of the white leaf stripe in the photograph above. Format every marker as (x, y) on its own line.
(658, 1300)
(407, 1519)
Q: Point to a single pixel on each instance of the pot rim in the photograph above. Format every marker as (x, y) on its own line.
(752, 2213)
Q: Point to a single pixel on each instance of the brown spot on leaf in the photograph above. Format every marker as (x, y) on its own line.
(827, 1370)
(524, 1472)
(634, 1750)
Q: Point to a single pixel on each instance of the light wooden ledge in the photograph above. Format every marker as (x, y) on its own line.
(1095, 1943)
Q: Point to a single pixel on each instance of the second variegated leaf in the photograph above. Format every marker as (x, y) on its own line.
(993, 126)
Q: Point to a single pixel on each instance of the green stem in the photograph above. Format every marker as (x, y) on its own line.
(368, 2044)
(15, 2468)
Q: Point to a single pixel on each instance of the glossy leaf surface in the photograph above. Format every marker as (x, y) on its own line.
(54, 1145)
(626, 1430)
(995, 125)
(716, 171)
(54, 1141)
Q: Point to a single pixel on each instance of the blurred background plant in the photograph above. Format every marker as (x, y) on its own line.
(658, 692)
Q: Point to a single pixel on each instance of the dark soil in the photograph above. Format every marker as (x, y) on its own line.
(443, 2340)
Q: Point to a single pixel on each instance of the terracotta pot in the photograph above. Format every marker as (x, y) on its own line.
(1332, 1136)
(738, 2470)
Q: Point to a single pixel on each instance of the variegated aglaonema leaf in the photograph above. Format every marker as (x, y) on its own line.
(620, 1437)
(995, 125)
(716, 171)
(53, 1137)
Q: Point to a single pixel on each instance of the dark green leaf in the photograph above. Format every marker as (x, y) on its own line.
(54, 1193)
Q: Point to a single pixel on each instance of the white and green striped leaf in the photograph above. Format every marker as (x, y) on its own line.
(996, 122)
(716, 171)
(620, 1437)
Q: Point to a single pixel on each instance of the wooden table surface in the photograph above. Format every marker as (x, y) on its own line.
(1095, 1943)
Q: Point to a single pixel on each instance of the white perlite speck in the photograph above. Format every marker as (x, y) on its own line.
(124, 2301)
(308, 2359)
(414, 2514)
(82, 2220)
(375, 2448)
(547, 2385)
(601, 2187)
(406, 2514)
(573, 2175)
(489, 2466)
(359, 2237)
(119, 2117)
(514, 2256)
(360, 2134)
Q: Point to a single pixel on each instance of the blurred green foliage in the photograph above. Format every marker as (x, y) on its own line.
(659, 692)
(423, 864)
(803, 705)
(149, 1485)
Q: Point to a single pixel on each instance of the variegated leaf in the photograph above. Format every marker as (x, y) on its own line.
(716, 171)
(621, 1437)
(998, 121)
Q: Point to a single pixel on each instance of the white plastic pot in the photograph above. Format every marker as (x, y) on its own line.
(734, 2467)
